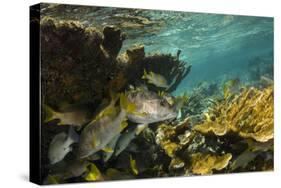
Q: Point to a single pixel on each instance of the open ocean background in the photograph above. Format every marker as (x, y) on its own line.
(219, 47)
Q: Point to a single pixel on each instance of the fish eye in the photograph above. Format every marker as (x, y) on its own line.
(162, 103)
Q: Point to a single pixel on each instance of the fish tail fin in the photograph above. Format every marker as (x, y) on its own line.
(94, 174)
(126, 105)
(50, 113)
(72, 135)
(133, 165)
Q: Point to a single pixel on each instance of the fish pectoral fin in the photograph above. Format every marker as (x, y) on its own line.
(140, 128)
(123, 124)
(110, 111)
(107, 150)
(94, 143)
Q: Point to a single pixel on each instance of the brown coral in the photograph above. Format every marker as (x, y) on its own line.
(249, 114)
(206, 163)
(163, 138)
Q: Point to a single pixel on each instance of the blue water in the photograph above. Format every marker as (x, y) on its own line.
(218, 46)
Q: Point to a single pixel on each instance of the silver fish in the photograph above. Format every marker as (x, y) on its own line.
(98, 134)
(111, 146)
(60, 146)
(127, 137)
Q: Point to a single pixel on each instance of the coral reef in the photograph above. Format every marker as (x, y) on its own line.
(213, 133)
(249, 114)
(87, 51)
(82, 65)
(206, 163)
(201, 98)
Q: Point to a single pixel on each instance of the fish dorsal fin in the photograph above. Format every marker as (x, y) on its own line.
(110, 111)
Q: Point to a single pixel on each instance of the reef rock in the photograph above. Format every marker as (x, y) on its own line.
(112, 40)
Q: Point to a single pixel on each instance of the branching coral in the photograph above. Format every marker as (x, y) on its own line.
(249, 114)
(206, 163)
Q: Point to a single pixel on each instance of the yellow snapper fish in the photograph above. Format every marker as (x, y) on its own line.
(73, 115)
(150, 107)
(100, 131)
(155, 79)
(60, 145)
